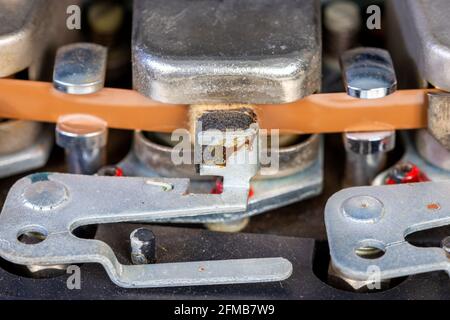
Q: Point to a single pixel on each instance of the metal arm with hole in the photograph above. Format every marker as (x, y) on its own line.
(52, 205)
(367, 227)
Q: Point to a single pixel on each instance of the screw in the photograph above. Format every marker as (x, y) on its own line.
(405, 172)
(366, 155)
(368, 73)
(143, 246)
(80, 68)
(84, 139)
(342, 23)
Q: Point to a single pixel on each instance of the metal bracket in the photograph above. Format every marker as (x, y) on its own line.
(150, 159)
(367, 227)
(53, 205)
(49, 206)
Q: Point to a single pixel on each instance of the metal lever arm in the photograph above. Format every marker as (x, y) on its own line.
(53, 205)
(202, 273)
(367, 227)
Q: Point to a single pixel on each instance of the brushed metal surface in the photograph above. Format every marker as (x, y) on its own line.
(226, 51)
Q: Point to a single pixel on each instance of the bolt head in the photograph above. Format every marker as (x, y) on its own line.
(367, 143)
(81, 130)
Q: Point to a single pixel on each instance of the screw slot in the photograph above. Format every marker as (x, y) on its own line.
(32, 235)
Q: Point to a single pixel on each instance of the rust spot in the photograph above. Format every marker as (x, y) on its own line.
(433, 206)
(201, 269)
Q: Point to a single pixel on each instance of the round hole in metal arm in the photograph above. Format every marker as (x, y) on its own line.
(370, 249)
(32, 234)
